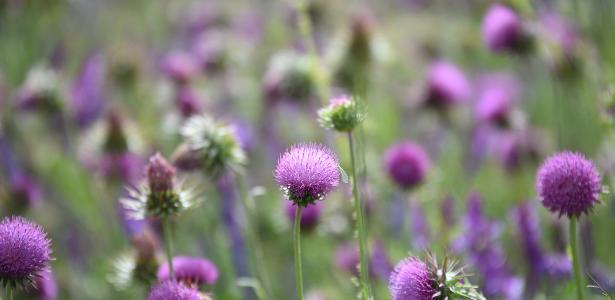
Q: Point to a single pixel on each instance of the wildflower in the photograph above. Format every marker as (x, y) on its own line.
(191, 271)
(171, 290)
(407, 164)
(87, 93)
(180, 67)
(290, 77)
(446, 85)
(342, 114)
(503, 30)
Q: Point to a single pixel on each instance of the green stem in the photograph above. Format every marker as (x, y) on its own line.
(363, 250)
(9, 292)
(575, 258)
(297, 245)
(168, 244)
(305, 27)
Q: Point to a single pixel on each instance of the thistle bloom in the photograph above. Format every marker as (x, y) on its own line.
(46, 287)
(568, 184)
(502, 28)
(25, 251)
(309, 215)
(497, 96)
(216, 145)
(407, 164)
(307, 173)
(411, 280)
(187, 102)
(171, 290)
(446, 85)
(192, 271)
(342, 114)
(160, 195)
(180, 67)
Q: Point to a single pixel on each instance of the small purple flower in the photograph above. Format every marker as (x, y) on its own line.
(192, 271)
(160, 174)
(568, 184)
(187, 102)
(407, 164)
(180, 66)
(307, 173)
(309, 215)
(411, 280)
(446, 85)
(87, 94)
(170, 290)
(502, 28)
(497, 96)
(25, 251)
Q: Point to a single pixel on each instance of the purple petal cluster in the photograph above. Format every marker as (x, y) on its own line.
(180, 66)
(496, 98)
(411, 280)
(307, 172)
(160, 174)
(446, 85)
(45, 286)
(568, 184)
(407, 164)
(501, 28)
(190, 270)
(25, 251)
(171, 290)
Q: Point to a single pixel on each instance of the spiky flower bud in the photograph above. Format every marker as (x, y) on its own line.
(413, 279)
(407, 164)
(568, 184)
(25, 251)
(216, 145)
(342, 114)
(160, 195)
(307, 173)
(191, 271)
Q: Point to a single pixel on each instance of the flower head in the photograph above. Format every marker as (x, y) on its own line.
(160, 195)
(407, 164)
(192, 271)
(307, 172)
(342, 114)
(568, 184)
(216, 144)
(25, 251)
(411, 280)
(502, 28)
(446, 85)
(496, 98)
(180, 66)
(171, 290)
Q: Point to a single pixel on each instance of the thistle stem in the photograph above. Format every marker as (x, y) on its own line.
(168, 244)
(297, 246)
(575, 258)
(363, 251)
(305, 27)
(9, 292)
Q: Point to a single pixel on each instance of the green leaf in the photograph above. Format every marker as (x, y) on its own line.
(343, 174)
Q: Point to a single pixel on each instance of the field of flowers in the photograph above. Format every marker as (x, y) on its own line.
(307, 149)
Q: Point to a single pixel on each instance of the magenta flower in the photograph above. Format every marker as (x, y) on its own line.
(46, 287)
(180, 66)
(160, 175)
(502, 28)
(407, 164)
(568, 184)
(411, 280)
(25, 251)
(446, 85)
(307, 172)
(496, 98)
(192, 271)
(170, 290)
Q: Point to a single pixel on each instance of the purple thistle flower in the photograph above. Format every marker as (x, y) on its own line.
(309, 215)
(502, 28)
(307, 173)
(411, 280)
(480, 241)
(568, 184)
(192, 271)
(187, 102)
(180, 66)
(87, 94)
(160, 174)
(407, 164)
(497, 96)
(45, 288)
(170, 290)
(25, 251)
(446, 85)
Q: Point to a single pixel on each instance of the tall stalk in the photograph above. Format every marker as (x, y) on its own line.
(9, 292)
(297, 248)
(168, 244)
(575, 258)
(305, 28)
(363, 250)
